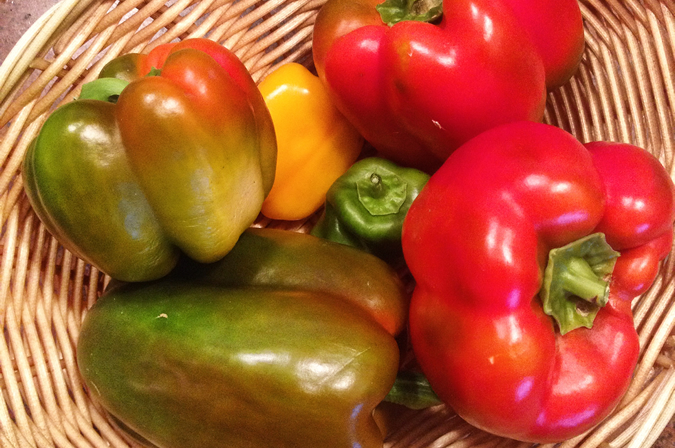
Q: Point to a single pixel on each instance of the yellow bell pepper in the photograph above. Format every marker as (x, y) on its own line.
(315, 142)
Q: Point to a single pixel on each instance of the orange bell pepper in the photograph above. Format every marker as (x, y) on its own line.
(315, 142)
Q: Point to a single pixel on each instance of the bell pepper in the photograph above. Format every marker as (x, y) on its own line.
(315, 142)
(365, 207)
(128, 67)
(521, 314)
(181, 163)
(557, 30)
(281, 343)
(417, 86)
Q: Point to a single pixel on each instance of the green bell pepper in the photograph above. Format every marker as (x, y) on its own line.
(181, 163)
(277, 344)
(365, 207)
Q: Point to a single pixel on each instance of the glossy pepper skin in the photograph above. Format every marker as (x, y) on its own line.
(315, 142)
(417, 90)
(366, 206)
(270, 356)
(181, 163)
(476, 241)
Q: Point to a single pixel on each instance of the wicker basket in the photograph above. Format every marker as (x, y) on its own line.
(624, 91)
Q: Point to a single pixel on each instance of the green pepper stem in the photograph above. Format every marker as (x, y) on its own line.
(412, 390)
(154, 71)
(576, 281)
(378, 188)
(580, 280)
(394, 11)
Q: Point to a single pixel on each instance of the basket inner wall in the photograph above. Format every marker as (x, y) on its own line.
(624, 91)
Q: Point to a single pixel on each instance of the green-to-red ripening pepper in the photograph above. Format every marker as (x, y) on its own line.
(522, 223)
(277, 344)
(417, 86)
(182, 162)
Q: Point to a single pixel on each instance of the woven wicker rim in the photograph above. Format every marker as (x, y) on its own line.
(624, 91)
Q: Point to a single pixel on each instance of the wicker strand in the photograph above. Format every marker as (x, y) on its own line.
(665, 66)
(658, 88)
(653, 349)
(37, 422)
(648, 112)
(596, 19)
(247, 40)
(612, 11)
(147, 33)
(64, 86)
(584, 132)
(111, 19)
(591, 100)
(32, 334)
(300, 36)
(642, 306)
(654, 318)
(554, 108)
(10, 436)
(652, 417)
(31, 43)
(666, 414)
(11, 197)
(224, 31)
(567, 105)
(6, 361)
(92, 73)
(134, 20)
(284, 14)
(457, 431)
(47, 76)
(622, 82)
(209, 22)
(412, 426)
(13, 328)
(626, 434)
(624, 16)
(7, 143)
(59, 44)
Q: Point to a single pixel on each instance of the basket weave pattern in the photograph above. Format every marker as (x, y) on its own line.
(624, 91)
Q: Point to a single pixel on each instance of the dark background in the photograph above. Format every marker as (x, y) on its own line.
(16, 16)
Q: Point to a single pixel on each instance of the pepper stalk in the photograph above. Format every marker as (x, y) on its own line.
(577, 281)
(394, 11)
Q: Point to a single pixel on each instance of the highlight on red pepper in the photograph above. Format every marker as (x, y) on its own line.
(527, 248)
(315, 142)
(181, 163)
(417, 85)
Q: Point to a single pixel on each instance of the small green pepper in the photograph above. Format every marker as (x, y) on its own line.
(365, 207)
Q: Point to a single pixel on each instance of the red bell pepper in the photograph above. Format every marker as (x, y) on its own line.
(521, 315)
(417, 90)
